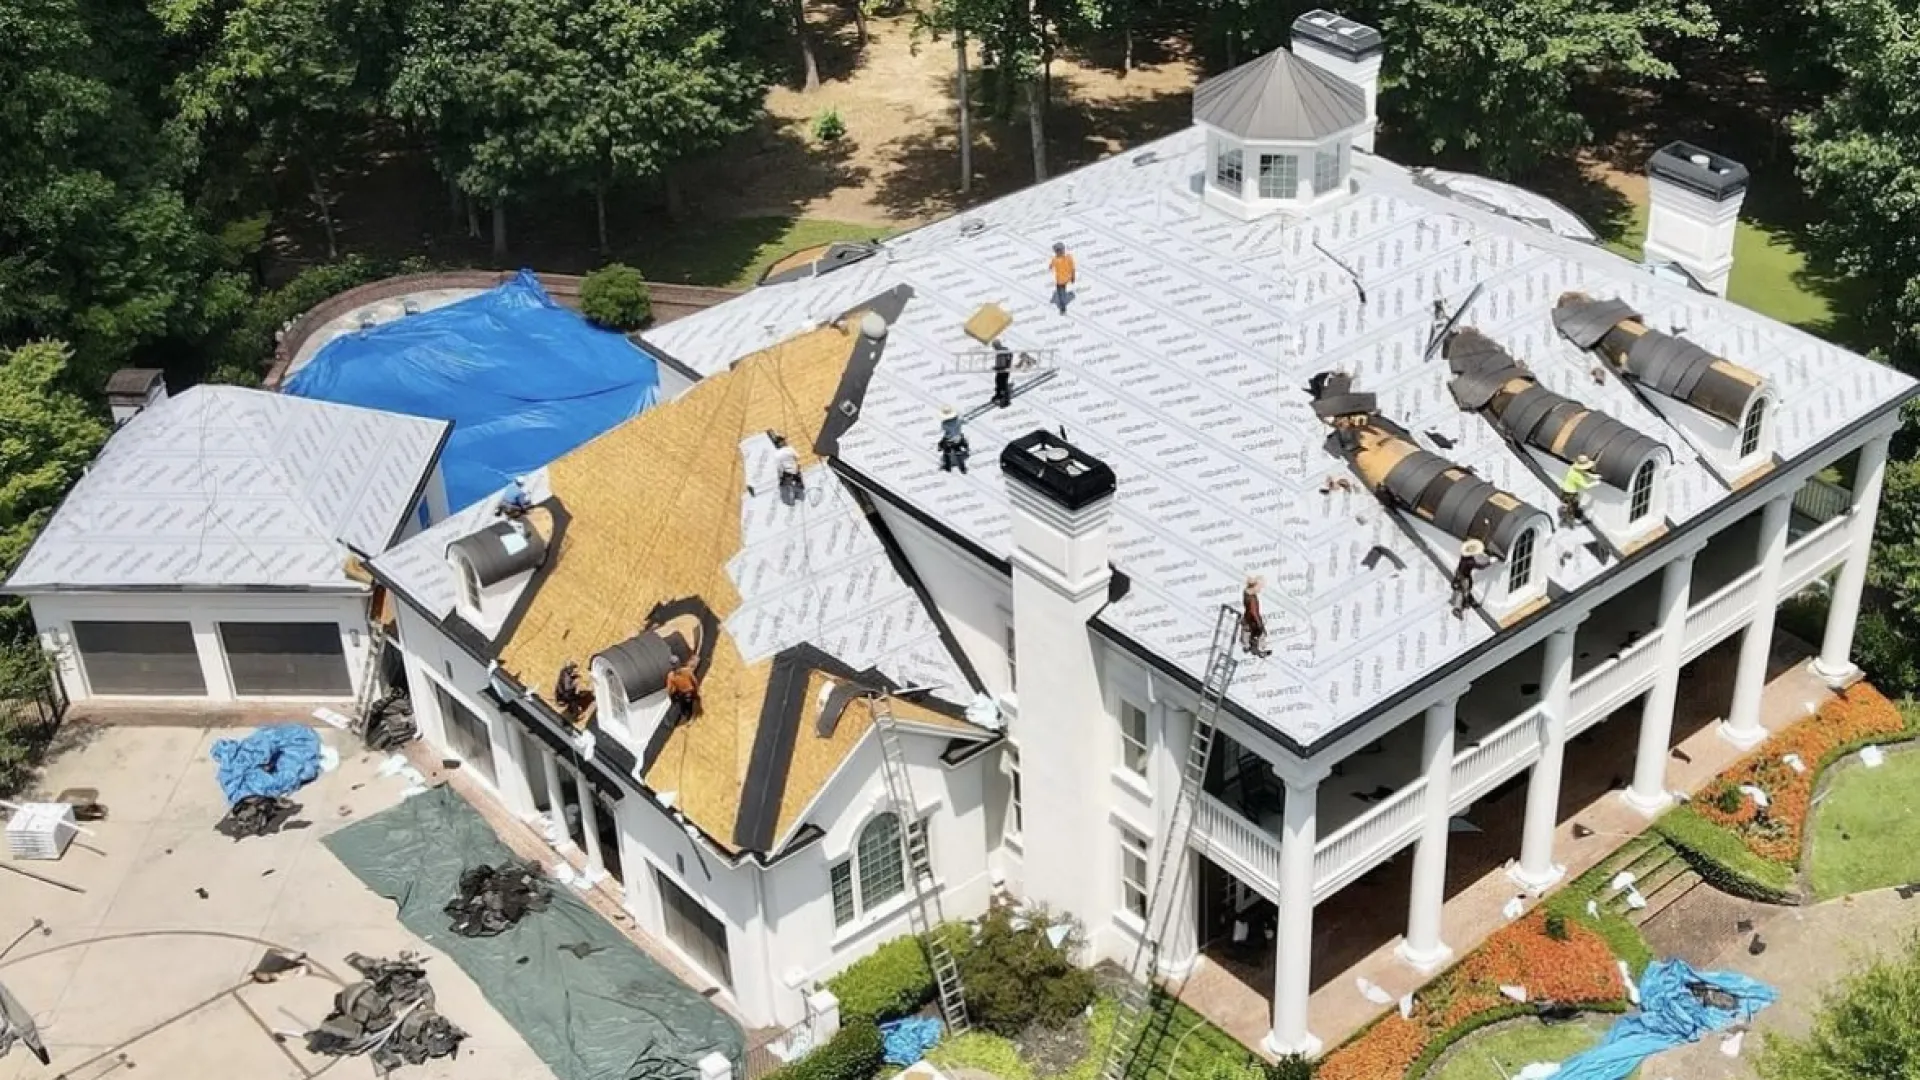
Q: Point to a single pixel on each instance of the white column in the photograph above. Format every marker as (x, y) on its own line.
(1742, 727)
(1180, 941)
(1648, 793)
(1423, 949)
(1537, 869)
(590, 824)
(556, 802)
(1293, 943)
(1835, 663)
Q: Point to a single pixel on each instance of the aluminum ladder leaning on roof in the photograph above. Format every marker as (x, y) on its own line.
(1138, 995)
(369, 678)
(925, 913)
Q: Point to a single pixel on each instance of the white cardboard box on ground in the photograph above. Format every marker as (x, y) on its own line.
(40, 830)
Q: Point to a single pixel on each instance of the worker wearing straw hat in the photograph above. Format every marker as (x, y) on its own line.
(1473, 558)
(1573, 486)
(953, 441)
(1253, 625)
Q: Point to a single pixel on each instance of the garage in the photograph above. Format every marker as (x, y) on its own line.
(140, 658)
(286, 659)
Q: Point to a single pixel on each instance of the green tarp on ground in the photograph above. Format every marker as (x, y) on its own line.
(615, 1014)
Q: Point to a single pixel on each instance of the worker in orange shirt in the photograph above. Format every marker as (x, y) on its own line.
(1063, 276)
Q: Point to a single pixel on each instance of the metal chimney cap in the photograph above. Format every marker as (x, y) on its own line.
(1337, 34)
(1698, 170)
(1064, 474)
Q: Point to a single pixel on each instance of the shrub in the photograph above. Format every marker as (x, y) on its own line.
(1016, 977)
(855, 1053)
(1885, 654)
(616, 297)
(1864, 1028)
(828, 127)
(1556, 926)
(894, 980)
(1291, 1067)
(1727, 799)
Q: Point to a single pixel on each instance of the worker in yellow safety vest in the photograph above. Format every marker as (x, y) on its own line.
(1573, 486)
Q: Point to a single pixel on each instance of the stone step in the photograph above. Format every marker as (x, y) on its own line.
(1649, 884)
(1649, 863)
(1670, 893)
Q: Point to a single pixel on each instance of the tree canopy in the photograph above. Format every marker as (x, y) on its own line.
(1864, 1030)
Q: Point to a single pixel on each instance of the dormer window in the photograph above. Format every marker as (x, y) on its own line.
(490, 568)
(1752, 427)
(469, 581)
(1640, 492)
(1227, 166)
(1520, 563)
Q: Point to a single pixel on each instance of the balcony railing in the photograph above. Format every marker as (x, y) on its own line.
(1253, 855)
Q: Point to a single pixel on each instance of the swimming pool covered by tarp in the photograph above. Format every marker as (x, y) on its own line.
(591, 1004)
(523, 379)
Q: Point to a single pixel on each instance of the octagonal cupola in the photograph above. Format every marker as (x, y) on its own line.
(1281, 129)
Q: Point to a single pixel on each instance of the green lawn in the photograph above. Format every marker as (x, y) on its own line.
(732, 252)
(1866, 832)
(1175, 1044)
(1769, 274)
(1500, 1054)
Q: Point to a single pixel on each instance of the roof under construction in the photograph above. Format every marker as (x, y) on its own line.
(1182, 363)
(1666, 364)
(1486, 377)
(676, 512)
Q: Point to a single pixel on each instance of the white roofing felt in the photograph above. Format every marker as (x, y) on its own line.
(1183, 363)
(226, 487)
(813, 574)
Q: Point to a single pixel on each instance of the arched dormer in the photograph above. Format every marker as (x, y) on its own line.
(1280, 134)
(1725, 410)
(491, 566)
(630, 678)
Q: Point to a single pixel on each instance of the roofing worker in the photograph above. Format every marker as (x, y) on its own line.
(1253, 625)
(568, 692)
(1002, 374)
(1473, 558)
(515, 502)
(953, 441)
(787, 464)
(1063, 275)
(1574, 485)
(683, 692)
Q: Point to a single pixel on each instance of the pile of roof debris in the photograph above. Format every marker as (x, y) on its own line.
(494, 898)
(257, 815)
(387, 1015)
(390, 723)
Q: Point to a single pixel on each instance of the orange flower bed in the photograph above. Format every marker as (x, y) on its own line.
(1579, 971)
(1862, 714)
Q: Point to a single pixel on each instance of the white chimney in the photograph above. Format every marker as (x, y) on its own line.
(130, 390)
(1695, 198)
(1339, 46)
(1062, 511)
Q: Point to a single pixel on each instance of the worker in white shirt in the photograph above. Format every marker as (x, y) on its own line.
(787, 464)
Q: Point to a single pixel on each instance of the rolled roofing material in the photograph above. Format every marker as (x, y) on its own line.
(1435, 490)
(1487, 378)
(500, 551)
(1663, 363)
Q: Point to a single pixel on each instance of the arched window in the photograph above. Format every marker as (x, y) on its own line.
(1640, 492)
(874, 874)
(469, 581)
(1520, 562)
(1752, 427)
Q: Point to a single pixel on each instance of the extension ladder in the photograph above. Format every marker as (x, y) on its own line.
(369, 677)
(1136, 999)
(924, 913)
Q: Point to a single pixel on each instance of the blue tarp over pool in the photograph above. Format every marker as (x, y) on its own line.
(523, 379)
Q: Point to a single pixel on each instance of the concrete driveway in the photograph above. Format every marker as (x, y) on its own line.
(152, 961)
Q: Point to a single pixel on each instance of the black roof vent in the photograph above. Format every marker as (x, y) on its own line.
(1052, 467)
(1700, 171)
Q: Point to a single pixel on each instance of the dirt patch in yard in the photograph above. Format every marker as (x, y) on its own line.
(1052, 1051)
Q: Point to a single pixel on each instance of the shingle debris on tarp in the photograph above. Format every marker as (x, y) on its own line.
(388, 1015)
(390, 723)
(494, 898)
(614, 1014)
(257, 815)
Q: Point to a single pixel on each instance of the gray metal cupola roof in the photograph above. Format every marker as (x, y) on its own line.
(1279, 97)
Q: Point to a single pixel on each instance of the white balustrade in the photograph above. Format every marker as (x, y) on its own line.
(1822, 501)
(1814, 555)
(1241, 847)
(1614, 683)
(1360, 845)
(1481, 767)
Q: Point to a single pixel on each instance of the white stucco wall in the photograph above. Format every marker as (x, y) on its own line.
(975, 600)
(54, 615)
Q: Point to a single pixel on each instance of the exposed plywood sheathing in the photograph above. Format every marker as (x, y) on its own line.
(654, 515)
(796, 260)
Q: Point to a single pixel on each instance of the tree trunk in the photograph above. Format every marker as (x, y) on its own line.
(807, 57)
(1126, 50)
(324, 204)
(1232, 41)
(1037, 123)
(453, 201)
(860, 20)
(600, 216)
(473, 219)
(676, 199)
(499, 229)
(961, 93)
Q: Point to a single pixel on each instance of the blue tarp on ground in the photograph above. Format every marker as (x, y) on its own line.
(276, 760)
(909, 1039)
(1669, 1016)
(523, 379)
